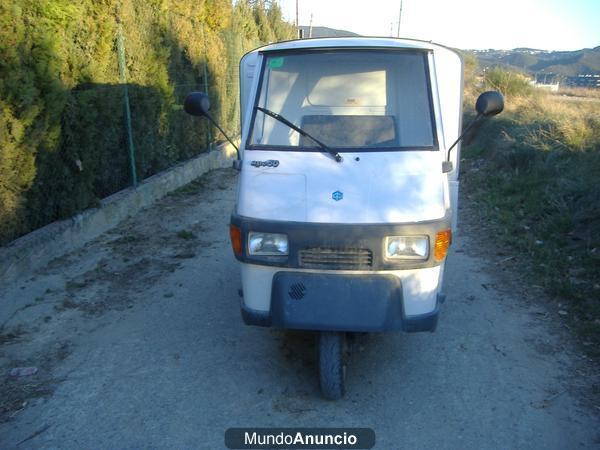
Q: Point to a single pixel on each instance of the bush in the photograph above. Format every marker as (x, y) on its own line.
(509, 83)
(536, 185)
(63, 142)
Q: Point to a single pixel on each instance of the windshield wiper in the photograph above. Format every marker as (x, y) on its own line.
(283, 120)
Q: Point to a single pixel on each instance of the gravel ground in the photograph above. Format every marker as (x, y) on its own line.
(139, 343)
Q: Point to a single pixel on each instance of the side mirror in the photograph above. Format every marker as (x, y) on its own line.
(490, 103)
(196, 104)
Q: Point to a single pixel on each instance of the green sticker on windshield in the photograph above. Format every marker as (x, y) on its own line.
(276, 63)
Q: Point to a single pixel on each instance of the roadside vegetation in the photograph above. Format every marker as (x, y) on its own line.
(586, 93)
(63, 130)
(534, 175)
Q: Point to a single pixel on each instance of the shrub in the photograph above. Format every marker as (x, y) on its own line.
(63, 143)
(509, 83)
(537, 187)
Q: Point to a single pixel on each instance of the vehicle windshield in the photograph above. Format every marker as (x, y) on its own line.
(347, 99)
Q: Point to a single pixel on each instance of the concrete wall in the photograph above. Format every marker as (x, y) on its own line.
(23, 256)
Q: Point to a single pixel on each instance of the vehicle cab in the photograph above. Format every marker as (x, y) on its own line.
(348, 190)
(352, 237)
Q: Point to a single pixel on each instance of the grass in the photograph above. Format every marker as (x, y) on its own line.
(579, 92)
(191, 188)
(72, 284)
(185, 234)
(12, 336)
(17, 393)
(66, 304)
(534, 173)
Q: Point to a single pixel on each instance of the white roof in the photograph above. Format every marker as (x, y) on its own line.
(351, 42)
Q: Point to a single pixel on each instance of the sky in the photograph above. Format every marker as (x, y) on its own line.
(466, 24)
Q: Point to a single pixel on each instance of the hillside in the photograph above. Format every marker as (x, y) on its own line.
(318, 32)
(566, 63)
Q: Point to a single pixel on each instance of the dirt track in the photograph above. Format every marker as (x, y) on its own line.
(139, 343)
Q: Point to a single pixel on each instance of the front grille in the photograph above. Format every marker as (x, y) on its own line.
(297, 291)
(336, 258)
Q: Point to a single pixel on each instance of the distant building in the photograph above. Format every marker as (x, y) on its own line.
(587, 80)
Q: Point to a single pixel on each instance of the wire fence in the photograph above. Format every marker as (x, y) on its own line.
(143, 156)
(91, 109)
(137, 131)
(133, 135)
(116, 134)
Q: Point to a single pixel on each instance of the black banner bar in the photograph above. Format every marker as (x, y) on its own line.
(299, 438)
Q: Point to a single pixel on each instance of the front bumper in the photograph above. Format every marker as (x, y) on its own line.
(312, 235)
(339, 302)
(358, 293)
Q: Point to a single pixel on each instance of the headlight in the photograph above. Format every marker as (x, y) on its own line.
(406, 247)
(267, 244)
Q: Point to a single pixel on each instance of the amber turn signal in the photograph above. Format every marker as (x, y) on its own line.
(443, 239)
(236, 239)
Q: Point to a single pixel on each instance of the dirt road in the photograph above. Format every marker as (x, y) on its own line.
(139, 343)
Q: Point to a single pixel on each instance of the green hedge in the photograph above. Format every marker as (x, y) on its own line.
(63, 141)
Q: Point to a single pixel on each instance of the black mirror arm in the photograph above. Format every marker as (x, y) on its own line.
(237, 150)
(462, 135)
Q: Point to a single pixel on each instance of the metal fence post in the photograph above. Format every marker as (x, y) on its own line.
(123, 80)
(208, 130)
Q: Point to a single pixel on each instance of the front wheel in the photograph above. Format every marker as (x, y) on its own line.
(332, 370)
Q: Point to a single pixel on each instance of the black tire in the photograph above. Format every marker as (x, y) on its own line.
(332, 369)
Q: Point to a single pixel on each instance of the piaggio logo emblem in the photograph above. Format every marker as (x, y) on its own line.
(269, 163)
(337, 196)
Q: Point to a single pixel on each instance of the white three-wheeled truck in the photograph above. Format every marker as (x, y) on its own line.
(348, 190)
